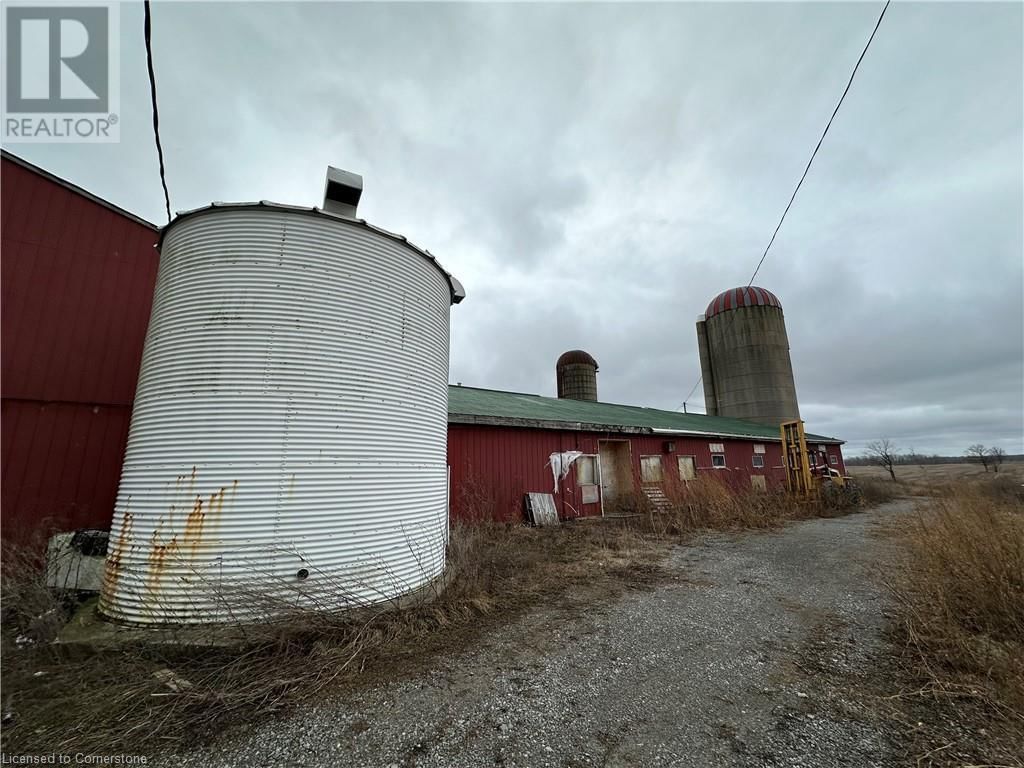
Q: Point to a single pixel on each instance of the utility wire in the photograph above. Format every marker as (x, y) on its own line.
(156, 114)
(804, 174)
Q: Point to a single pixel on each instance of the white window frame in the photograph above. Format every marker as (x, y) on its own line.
(723, 465)
(759, 449)
(833, 459)
(716, 447)
(757, 457)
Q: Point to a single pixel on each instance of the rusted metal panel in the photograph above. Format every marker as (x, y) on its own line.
(289, 432)
(75, 293)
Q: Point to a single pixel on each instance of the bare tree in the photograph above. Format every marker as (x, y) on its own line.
(997, 456)
(883, 453)
(979, 453)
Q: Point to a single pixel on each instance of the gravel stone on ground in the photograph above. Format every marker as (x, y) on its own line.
(740, 656)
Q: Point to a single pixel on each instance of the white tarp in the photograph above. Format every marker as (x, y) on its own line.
(561, 463)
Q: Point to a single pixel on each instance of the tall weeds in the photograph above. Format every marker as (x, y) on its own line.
(960, 581)
(709, 504)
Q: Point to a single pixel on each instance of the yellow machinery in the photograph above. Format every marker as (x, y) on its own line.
(800, 479)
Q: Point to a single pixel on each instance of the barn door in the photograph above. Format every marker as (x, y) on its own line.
(616, 465)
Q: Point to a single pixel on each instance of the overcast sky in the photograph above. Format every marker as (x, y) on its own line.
(595, 174)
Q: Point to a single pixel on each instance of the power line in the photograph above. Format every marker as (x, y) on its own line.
(156, 114)
(806, 169)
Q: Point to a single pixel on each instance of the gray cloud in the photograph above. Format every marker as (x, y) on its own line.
(595, 174)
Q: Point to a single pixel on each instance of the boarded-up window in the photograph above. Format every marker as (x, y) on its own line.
(590, 494)
(758, 460)
(758, 483)
(586, 470)
(716, 447)
(718, 460)
(758, 449)
(650, 469)
(687, 468)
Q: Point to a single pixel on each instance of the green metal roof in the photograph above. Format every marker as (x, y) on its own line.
(489, 406)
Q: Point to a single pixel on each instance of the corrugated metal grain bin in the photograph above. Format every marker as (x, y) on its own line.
(288, 439)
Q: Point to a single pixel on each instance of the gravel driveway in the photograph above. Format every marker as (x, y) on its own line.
(740, 656)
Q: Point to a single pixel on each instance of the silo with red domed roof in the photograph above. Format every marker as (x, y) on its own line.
(744, 357)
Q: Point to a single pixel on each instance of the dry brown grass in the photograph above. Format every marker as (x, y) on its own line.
(932, 479)
(960, 582)
(141, 697)
(709, 504)
(878, 491)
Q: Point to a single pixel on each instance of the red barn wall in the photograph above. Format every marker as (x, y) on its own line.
(76, 287)
(493, 467)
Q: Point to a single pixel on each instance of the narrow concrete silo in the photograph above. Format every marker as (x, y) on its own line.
(288, 438)
(744, 358)
(576, 373)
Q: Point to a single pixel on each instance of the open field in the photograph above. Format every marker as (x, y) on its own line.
(940, 473)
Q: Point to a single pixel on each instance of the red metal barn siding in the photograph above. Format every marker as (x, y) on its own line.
(493, 467)
(76, 286)
(838, 451)
(738, 456)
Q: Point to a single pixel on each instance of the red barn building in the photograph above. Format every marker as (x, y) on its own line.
(76, 286)
(499, 445)
(78, 276)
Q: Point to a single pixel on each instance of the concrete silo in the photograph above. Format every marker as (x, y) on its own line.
(744, 358)
(576, 373)
(289, 432)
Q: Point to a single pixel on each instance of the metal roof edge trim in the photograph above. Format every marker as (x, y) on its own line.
(20, 161)
(458, 293)
(582, 426)
(811, 437)
(726, 435)
(572, 426)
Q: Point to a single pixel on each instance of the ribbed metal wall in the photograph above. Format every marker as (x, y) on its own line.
(75, 291)
(289, 432)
